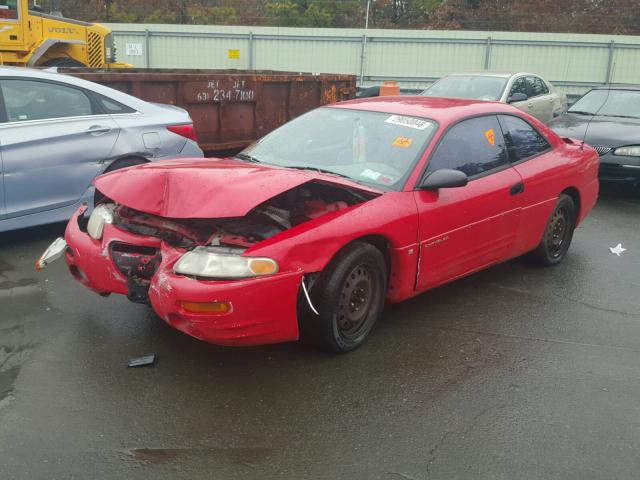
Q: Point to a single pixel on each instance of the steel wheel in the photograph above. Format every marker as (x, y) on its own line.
(355, 300)
(349, 296)
(557, 232)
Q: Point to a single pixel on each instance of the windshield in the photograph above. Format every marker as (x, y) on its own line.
(468, 86)
(378, 149)
(9, 9)
(618, 103)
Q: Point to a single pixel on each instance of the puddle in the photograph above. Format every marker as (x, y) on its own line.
(11, 360)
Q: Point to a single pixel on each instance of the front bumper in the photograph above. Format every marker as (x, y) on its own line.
(264, 310)
(619, 169)
(619, 173)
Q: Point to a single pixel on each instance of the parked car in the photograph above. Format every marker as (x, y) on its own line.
(57, 133)
(526, 91)
(315, 227)
(608, 118)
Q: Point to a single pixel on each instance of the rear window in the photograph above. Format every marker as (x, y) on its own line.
(526, 141)
(112, 107)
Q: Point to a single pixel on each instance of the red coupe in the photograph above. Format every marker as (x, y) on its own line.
(312, 229)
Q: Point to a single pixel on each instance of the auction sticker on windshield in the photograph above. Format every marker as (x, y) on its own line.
(410, 122)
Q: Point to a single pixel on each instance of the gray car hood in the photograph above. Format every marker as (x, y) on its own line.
(605, 131)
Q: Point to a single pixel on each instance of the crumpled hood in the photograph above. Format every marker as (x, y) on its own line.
(205, 188)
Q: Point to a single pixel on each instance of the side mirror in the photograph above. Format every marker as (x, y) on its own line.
(517, 97)
(444, 178)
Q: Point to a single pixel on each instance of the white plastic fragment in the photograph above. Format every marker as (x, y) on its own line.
(306, 294)
(617, 250)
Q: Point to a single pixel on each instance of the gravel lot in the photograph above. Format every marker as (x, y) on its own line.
(517, 372)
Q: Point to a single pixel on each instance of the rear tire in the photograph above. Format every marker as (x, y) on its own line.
(349, 295)
(63, 62)
(557, 234)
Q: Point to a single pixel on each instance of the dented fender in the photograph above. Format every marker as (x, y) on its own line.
(311, 246)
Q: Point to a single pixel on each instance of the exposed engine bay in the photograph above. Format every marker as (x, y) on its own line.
(282, 212)
(234, 235)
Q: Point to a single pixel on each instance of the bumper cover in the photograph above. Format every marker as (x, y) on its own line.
(264, 310)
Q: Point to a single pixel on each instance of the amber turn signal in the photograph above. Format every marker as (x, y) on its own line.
(207, 307)
(263, 266)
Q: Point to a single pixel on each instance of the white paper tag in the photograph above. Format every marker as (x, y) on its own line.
(372, 174)
(410, 122)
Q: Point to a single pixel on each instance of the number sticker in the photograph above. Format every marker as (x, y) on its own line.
(410, 122)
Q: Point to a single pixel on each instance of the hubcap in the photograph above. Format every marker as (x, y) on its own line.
(557, 232)
(355, 300)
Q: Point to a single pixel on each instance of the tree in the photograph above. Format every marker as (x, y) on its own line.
(297, 14)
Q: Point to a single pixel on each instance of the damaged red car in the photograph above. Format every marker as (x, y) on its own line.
(313, 229)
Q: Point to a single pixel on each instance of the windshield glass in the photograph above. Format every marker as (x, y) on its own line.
(619, 103)
(468, 86)
(9, 9)
(378, 149)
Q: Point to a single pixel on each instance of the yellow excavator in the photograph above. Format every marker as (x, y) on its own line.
(31, 38)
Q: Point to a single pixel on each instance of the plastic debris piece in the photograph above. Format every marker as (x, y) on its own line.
(618, 249)
(142, 361)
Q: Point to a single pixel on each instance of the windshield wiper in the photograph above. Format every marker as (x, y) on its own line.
(578, 112)
(248, 158)
(620, 116)
(319, 170)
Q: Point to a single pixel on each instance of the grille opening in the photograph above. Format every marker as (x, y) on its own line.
(136, 249)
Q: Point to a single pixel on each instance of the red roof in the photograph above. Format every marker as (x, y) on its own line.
(444, 110)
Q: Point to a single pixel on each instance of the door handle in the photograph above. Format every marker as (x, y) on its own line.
(517, 189)
(530, 105)
(97, 130)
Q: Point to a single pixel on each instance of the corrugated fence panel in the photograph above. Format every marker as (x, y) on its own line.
(626, 66)
(421, 59)
(306, 56)
(412, 57)
(579, 64)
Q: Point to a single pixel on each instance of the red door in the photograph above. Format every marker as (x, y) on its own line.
(467, 228)
(542, 176)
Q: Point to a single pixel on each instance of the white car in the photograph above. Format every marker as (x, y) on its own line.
(527, 91)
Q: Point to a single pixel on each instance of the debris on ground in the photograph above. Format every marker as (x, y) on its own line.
(617, 250)
(142, 361)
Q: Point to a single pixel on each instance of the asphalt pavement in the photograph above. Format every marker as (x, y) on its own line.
(517, 372)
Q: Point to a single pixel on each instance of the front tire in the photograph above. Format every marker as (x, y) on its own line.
(349, 296)
(557, 234)
(63, 62)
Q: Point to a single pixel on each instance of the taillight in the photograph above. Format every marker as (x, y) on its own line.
(186, 131)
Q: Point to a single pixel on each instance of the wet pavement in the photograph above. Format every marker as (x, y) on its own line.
(516, 372)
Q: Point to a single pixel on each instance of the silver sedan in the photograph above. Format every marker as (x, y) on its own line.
(527, 91)
(57, 133)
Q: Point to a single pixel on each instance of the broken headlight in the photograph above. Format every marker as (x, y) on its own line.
(206, 262)
(101, 214)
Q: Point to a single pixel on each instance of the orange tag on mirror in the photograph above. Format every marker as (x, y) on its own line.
(490, 136)
(402, 142)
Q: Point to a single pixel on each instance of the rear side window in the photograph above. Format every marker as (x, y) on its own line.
(26, 100)
(525, 141)
(112, 107)
(473, 146)
(519, 86)
(537, 86)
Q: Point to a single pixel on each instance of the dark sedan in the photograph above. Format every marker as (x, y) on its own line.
(610, 116)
